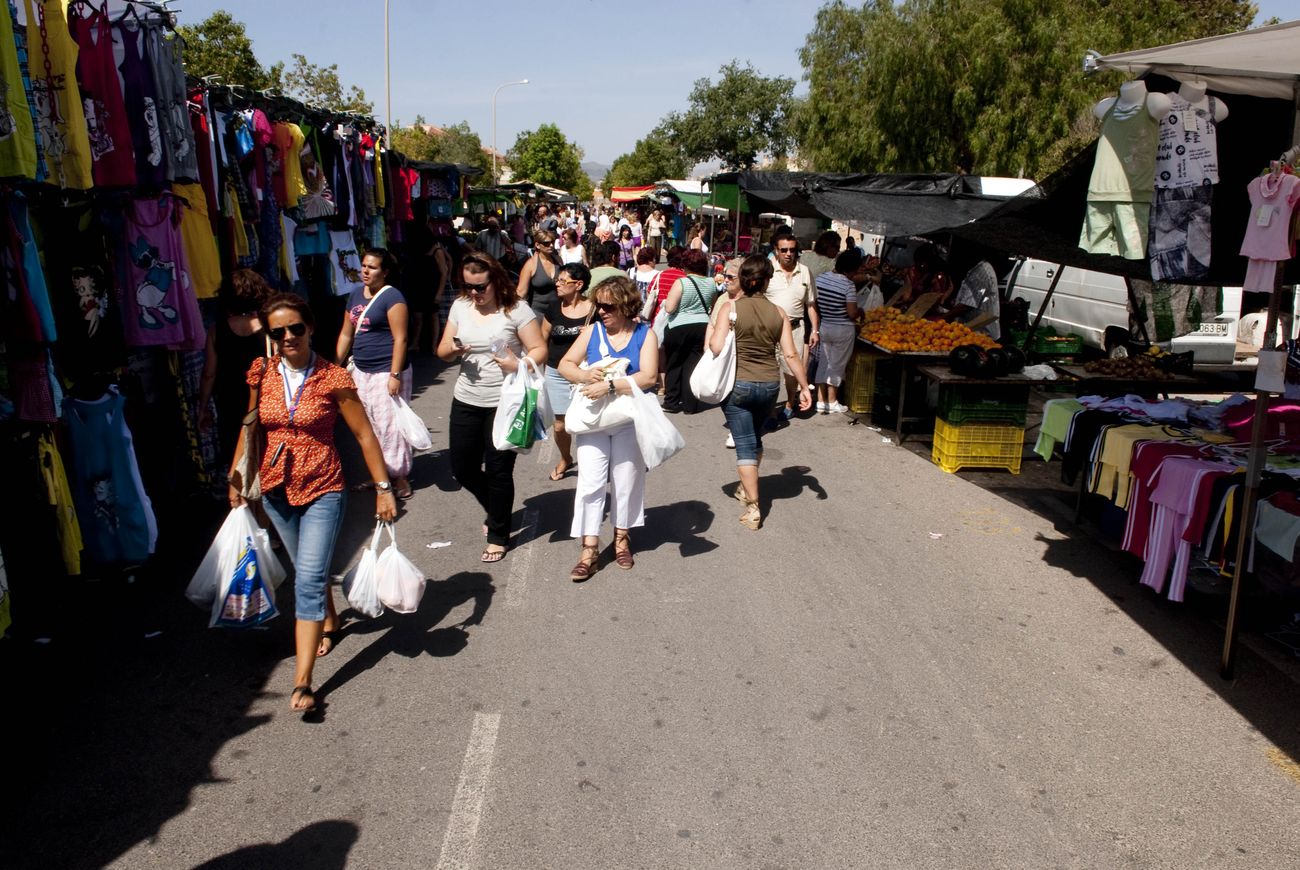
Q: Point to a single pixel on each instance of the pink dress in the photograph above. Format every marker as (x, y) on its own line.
(1267, 239)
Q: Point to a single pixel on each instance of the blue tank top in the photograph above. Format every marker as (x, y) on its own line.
(598, 347)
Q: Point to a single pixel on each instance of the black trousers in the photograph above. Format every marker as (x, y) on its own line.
(488, 473)
(683, 348)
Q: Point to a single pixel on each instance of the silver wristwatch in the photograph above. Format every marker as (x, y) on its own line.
(384, 486)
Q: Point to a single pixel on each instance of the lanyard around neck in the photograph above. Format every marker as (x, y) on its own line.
(291, 401)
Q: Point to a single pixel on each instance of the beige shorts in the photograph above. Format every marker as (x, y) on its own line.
(796, 330)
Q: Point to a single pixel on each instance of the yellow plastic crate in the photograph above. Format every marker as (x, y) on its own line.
(860, 381)
(977, 445)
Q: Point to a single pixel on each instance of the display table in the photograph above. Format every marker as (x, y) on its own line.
(908, 363)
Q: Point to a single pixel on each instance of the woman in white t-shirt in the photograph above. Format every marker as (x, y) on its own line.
(488, 329)
(644, 271)
(572, 251)
(655, 227)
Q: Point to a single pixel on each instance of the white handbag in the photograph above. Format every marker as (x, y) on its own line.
(715, 376)
(610, 409)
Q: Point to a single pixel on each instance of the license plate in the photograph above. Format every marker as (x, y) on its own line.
(1213, 329)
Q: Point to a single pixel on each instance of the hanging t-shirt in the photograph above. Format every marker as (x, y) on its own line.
(287, 140)
(60, 117)
(142, 106)
(1188, 153)
(17, 132)
(200, 245)
(372, 346)
(173, 116)
(346, 261)
(101, 98)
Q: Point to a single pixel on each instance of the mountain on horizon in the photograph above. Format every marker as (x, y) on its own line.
(595, 171)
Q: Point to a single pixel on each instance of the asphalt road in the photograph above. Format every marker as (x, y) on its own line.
(901, 669)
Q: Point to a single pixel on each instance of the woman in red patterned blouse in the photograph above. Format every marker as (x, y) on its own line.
(301, 397)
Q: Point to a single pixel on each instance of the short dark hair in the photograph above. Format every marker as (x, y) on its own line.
(480, 263)
(646, 256)
(695, 261)
(755, 273)
(827, 244)
(674, 256)
(387, 259)
(578, 272)
(849, 261)
(605, 254)
(293, 302)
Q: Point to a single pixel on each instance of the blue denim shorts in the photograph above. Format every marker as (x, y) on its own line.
(746, 410)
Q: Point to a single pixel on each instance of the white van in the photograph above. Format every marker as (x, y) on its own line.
(1094, 305)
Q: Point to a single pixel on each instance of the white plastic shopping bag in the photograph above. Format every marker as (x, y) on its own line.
(411, 426)
(399, 583)
(362, 583)
(657, 437)
(239, 574)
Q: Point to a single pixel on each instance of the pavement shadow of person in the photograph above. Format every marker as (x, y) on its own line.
(414, 634)
(790, 483)
(319, 846)
(554, 509)
(682, 523)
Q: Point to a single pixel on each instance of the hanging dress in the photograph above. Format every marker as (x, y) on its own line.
(142, 107)
(52, 63)
(157, 301)
(101, 98)
(17, 130)
(200, 244)
(116, 516)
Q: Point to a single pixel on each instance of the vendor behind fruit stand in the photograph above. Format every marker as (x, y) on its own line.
(978, 295)
(927, 274)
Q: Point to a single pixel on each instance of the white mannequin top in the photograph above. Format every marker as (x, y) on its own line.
(1194, 93)
(1187, 152)
(1132, 94)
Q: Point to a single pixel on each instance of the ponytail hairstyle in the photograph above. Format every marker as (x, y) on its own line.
(755, 273)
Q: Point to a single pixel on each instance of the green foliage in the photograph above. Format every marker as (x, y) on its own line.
(652, 159)
(545, 156)
(456, 143)
(219, 46)
(743, 116)
(987, 86)
(320, 86)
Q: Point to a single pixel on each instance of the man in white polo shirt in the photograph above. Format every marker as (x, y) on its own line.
(792, 290)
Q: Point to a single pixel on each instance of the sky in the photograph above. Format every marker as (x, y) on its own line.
(604, 71)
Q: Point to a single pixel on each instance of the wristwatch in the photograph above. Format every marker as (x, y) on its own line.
(395, 375)
(611, 388)
(384, 486)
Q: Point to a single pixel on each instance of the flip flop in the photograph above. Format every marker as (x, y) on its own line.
(568, 466)
(328, 641)
(303, 690)
(492, 555)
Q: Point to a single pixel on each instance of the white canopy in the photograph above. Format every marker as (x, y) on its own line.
(1264, 62)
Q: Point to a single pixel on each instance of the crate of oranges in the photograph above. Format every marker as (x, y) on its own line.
(897, 332)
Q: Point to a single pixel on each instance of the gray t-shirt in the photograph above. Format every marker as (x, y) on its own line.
(480, 379)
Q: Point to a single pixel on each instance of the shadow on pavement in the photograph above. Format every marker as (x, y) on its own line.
(682, 523)
(414, 634)
(319, 846)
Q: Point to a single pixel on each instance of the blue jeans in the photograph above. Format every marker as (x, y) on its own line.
(308, 532)
(746, 410)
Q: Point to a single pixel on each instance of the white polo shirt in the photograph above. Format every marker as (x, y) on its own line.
(792, 292)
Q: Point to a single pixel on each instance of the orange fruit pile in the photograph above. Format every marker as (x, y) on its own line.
(893, 330)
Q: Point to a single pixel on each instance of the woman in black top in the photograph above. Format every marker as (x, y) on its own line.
(537, 278)
(560, 328)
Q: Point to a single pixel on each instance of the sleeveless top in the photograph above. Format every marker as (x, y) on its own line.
(142, 104)
(1188, 153)
(541, 289)
(110, 134)
(599, 347)
(1124, 168)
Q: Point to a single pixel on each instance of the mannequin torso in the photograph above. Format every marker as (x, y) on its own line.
(1194, 93)
(1131, 95)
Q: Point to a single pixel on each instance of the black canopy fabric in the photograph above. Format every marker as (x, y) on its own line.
(901, 205)
(1045, 221)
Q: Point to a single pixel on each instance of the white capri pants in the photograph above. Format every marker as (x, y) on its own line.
(610, 457)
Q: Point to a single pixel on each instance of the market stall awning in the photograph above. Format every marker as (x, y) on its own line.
(1264, 62)
(630, 194)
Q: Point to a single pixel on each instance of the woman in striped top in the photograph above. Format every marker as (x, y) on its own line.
(838, 308)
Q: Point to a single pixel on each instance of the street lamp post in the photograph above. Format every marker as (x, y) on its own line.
(494, 124)
(388, 87)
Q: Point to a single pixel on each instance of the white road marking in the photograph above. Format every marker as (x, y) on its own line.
(467, 806)
(521, 561)
(545, 451)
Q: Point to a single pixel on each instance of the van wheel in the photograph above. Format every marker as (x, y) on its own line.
(1116, 340)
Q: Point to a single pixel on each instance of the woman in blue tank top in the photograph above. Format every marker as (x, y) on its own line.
(610, 458)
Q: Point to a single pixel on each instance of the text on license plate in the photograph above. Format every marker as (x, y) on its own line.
(1213, 329)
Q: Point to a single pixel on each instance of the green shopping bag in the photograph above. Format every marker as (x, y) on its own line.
(523, 428)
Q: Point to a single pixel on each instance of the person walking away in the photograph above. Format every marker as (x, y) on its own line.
(298, 397)
(561, 326)
(659, 289)
(603, 258)
(488, 329)
(731, 290)
(572, 251)
(610, 459)
(537, 278)
(644, 272)
(696, 242)
(760, 326)
(792, 290)
(837, 310)
(688, 306)
(374, 332)
(822, 256)
(492, 241)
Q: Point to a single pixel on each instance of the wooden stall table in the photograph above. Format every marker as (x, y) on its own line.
(909, 361)
(1108, 385)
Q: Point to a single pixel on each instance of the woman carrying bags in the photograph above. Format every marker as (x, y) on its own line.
(488, 329)
(688, 305)
(298, 397)
(560, 329)
(760, 327)
(374, 332)
(610, 458)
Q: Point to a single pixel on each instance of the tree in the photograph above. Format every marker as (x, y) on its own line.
(320, 86)
(456, 143)
(652, 159)
(987, 86)
(219, 46)
(745, 115)
(544, 156)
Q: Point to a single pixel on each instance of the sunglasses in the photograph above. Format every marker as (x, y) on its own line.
(787, 250)
(606, 306)
(727, 276)
(298, 329)
(477, 288)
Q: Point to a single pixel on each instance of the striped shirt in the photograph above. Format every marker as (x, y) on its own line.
(833, 292)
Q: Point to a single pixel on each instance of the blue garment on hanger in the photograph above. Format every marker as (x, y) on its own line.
(33, 271)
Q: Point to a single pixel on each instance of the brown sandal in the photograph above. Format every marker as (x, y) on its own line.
(623, 555)
(585, 567)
